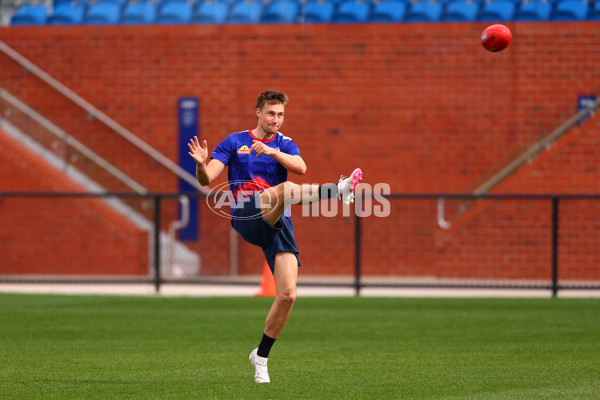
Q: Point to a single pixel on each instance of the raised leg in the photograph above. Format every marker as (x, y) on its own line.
(276, 199)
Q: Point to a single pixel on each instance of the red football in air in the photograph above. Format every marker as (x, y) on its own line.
(496, 37)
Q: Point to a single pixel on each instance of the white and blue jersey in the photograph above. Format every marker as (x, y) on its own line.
(245, 170)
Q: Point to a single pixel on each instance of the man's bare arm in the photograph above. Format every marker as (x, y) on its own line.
(205, 173)
(292, 163)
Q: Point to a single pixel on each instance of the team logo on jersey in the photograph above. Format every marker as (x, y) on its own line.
(244, 150)
(221, 200)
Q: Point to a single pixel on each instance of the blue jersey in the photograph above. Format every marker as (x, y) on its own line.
(245, 170)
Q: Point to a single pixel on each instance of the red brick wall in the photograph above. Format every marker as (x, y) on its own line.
(55, 235)
(421, 107)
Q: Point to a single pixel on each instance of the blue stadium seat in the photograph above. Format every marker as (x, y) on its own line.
(570, 10)
(162, 3)
(30, 14)
(388, 11)
(174, 13)
(424, 11)
(497, 11)
(120, 3)
(67, 14)
(533, 10)
(282, 11)
(460, 11)
(246, 12)
(352, 11)
(56, 3)
(594, 13)
(318, 11)
(229, 2)
(211, 12)
(138, 13)
(105, 12)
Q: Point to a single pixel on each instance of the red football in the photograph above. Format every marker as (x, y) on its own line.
(496, 37)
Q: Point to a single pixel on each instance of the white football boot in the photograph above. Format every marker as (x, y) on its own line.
(261, 374)
(346, 186)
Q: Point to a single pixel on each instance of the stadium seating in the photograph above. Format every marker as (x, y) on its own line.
(318, 11)
(594, 13)
(388, 11)
(120, 3)
(352, 11)
(533, 10)
(67, 14)
(460, 11)
(570, 10)
(211, 12)
(424, 11)
(138, 13)
(246, 12)
(162, 3)
(56, 3)
(497, 11)
(30, 14)
(105, 12)
(282, 11)
(174, 13)
(129, 12)
(228, 2)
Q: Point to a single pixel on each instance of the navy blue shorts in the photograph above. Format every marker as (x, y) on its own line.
(248, 222)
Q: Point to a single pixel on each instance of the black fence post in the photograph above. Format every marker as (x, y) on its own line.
(357, 266)
(554, 246)
(157, 242)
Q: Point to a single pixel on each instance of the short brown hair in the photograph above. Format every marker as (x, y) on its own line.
(271, 97)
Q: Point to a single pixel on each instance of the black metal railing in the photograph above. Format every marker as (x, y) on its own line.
(554, 284)
(528, 230)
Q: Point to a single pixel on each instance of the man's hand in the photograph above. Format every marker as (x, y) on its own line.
(292, 163)
(198, 153)
(261, 148)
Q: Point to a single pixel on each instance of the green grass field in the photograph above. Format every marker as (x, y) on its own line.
(97, 347)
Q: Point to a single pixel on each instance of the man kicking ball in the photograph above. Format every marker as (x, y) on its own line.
(258, 161)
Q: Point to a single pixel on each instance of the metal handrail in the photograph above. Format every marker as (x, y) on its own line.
(71, 141)
(176, 225)
(537, 148)
(102, 117)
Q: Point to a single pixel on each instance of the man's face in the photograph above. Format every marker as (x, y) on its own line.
(270, 118)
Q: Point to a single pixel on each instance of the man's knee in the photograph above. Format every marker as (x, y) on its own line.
(292, 193)
(287, 296)
(290, 188)
(285, 192)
